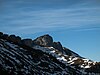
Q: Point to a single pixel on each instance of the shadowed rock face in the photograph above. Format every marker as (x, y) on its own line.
(57, 45)
(15, 39)
(1, 34)
(44, 40)
(5, 36)
(69, 52)
(27, 42)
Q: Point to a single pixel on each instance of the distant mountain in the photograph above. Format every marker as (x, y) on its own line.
(41, 56)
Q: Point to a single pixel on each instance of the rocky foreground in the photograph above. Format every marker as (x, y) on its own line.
(41, 56)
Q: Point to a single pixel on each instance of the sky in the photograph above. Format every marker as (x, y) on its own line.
(75, 23)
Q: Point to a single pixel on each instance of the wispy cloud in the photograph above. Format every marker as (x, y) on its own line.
(33, 21)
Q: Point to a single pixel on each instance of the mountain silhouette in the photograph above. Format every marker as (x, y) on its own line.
(41, 56)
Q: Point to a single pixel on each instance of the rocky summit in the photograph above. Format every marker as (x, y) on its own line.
(45, 40)
(41, 56)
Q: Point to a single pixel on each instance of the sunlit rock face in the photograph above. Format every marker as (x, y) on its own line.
(45, 40)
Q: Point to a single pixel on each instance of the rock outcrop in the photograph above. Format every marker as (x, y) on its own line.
(57, 45)
(15, 39)
(45, 40)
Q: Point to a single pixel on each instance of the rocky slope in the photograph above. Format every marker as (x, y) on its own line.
(41, 56)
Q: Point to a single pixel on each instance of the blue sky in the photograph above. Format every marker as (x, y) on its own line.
(75, 23)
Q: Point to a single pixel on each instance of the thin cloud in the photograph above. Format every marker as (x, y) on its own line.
(76, 16)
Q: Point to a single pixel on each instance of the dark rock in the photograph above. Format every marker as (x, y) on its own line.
(57, 45)
(67, 51)
(12, 38)
(18, 39)
(15, 39)
(94, 68)
(45, 40)
(5, 36)
(1, 34)
(27, 42)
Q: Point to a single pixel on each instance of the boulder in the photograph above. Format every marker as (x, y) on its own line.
(45, 40)
(27, 42)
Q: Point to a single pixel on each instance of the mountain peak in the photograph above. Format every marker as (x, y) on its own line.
(45, 40)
